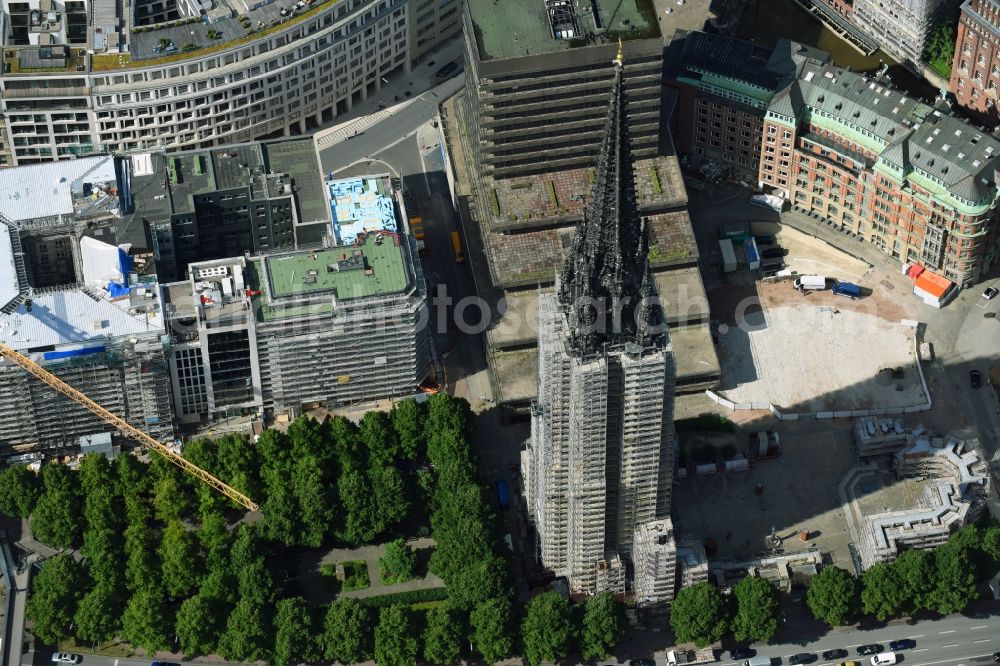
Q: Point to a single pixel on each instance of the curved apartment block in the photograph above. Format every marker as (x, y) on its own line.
(86, 76)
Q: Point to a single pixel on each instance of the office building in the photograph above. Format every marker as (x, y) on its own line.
(91, 76)
(225, 202)
(915, 181)
(975, 71)
(248, 334)
(600, 460)
(901, 27)
(537, 80)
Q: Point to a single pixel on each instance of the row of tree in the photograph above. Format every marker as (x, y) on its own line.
(942, 580)
(165, 556)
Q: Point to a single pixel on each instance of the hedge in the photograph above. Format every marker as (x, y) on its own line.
(410, 597)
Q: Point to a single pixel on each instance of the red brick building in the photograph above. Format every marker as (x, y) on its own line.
(975, 71)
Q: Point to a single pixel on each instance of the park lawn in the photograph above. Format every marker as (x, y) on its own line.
(355, 576)
(941, 67)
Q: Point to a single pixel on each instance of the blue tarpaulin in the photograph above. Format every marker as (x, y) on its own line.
(116, 290)
(69, 353)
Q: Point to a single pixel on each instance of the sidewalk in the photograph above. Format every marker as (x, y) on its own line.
(392, 97)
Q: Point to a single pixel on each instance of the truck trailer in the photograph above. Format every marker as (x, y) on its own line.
(728, 255)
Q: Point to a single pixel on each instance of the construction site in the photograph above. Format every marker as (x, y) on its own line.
(232, 346)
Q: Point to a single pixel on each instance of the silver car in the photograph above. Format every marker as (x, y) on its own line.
(66, 658)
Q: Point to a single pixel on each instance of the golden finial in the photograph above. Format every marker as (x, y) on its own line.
(619, 60)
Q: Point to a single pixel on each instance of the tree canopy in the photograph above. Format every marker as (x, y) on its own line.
(758, 610)
(833, 596)
(699, 614)
(55, 593)
(603, 625)
(548, 628)
(347, 634)
(20, 489)
(442, 637)
(396, 637)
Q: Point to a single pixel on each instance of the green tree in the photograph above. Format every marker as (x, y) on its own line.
(280, 511)
(170, 498)
(396, 637)
(833, 596)
(940, 48)
(758, 610)
(481, 579)
(603, 625)
(347, 635)
(145, 622)
(55, 593)
(399, 562)
(379, 438)
(699, 614)
(203, 453)
(294, 639)
(141, 567)
(97, 616)
(20, 489)
(181, 560)
(315, 496)
(361, 522)
(991, 548)
(198, 626)
(916, 571)
(391, 497)
(491, 629)
(408, 421)
(349, 448)
(956, 579)
(249, 631)
(548, 628)
(239, 463)
(57, 519)
(882, 592)
(442, 637)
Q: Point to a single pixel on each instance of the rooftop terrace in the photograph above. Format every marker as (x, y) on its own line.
(514, 28)
(374, 268)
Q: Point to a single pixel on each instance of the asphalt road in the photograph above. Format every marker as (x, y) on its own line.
(955, 639)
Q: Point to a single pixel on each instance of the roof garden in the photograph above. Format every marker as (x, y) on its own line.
(376, 267)
(515, 28)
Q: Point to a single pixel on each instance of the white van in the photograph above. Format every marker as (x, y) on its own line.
(803, 282)
(884, 659)
(758, 661)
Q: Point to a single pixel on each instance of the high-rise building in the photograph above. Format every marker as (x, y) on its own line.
(975, 71)
(600, 460)
(91, 76)
(901, 27)
(537, 77)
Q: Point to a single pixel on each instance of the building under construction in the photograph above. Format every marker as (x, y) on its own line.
(72, 303)
(280, 333)
(600, 461)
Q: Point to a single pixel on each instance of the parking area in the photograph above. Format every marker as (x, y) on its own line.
(799, 492)
(808, 255)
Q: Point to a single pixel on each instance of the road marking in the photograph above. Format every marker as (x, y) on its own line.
(917, 636)
(983, 640)
(950, 645)
(921, 650)
(950, 631)
(982, 626)
(854, 645)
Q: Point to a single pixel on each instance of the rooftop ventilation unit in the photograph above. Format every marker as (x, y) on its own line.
(562, 19)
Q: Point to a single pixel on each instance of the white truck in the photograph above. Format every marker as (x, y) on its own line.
(728, 255)
(810, 282)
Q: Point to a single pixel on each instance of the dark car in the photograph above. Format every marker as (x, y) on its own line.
(772, 252)
(802, 658)
(839, 653)
(766, 240)
(975, 379)
(872, 648)
(902, 644)
(996, 657)
(164, 663)
(990, 293)
(741, 653)
(641, 662)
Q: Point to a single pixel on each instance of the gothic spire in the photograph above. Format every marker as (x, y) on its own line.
(605, 287)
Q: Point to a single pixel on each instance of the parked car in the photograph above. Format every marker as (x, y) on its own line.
(990, 292)
(766, 240)
(839, 653)
(66, 658)
(902, 644)
(738, 653)
(996, 657)
(164, 663)
(884, 659)
(641, 662)
(975, 379)
(871, 648)
(772, 252)
(802, 658)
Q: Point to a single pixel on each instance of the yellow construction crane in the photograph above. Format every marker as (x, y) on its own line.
(124, 426)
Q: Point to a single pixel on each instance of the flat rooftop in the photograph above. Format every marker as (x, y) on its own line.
(360, 205)
(74, 316)
(515, 28)
(297, 158)
(373, 268)
(65, 187)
